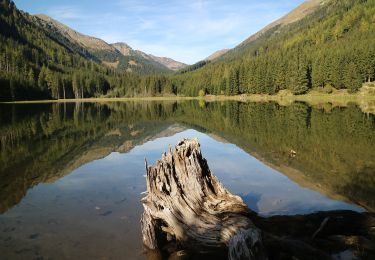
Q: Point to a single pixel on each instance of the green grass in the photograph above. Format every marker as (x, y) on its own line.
(313, 97)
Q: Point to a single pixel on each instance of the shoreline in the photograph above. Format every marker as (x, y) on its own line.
(289, 98)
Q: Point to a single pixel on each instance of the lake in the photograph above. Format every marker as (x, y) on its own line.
(72, 174)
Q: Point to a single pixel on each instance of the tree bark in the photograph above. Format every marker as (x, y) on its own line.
(185, 205)
(194, 208)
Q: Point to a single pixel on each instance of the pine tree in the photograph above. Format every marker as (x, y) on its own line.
(12, 87)
(42, 83)
(280, 81)
(302, 82)
(234, 82)
(75, 85)
(223, 86)
(31, 77)
(353, 80)
(242, 79)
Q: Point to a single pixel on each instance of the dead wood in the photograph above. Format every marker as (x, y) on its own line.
(186, 209)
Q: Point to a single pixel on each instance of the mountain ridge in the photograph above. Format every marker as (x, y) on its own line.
(170, 63)
(217, 54)
(298, 13)
(305, 8)
(319, 44)
(109, 54)
(82, 39)
(293, 16)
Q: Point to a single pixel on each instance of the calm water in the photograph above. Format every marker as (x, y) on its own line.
(71, 175)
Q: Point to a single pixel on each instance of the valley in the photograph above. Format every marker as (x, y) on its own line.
(309, 49)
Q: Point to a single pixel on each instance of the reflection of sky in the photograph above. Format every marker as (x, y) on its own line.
(96, 209)
(262, 188)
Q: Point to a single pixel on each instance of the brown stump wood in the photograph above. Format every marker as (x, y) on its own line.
(185, 203)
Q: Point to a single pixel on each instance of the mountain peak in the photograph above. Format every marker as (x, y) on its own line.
(123, 47)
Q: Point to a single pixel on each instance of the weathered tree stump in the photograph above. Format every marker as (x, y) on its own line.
(187, 207)
(187, 203)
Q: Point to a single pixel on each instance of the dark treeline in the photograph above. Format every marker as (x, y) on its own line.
(195, 66)
(333, 47)
(39, 143)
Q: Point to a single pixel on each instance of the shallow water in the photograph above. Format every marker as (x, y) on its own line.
(72, 175)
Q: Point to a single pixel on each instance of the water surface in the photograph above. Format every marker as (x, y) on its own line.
(71, 175)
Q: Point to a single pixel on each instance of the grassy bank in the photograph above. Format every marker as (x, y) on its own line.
(313, 97)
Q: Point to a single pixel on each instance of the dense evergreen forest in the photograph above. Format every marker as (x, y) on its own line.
(34, 65)
(332, 47)
(44, 142)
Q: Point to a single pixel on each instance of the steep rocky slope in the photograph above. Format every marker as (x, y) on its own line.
(169, 63)
(117, 55)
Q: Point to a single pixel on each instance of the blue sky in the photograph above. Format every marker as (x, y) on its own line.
(187, 31)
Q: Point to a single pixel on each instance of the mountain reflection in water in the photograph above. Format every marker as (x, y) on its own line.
(71, 174)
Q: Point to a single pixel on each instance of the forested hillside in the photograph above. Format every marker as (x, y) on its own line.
(34, 64)
(332, 46)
